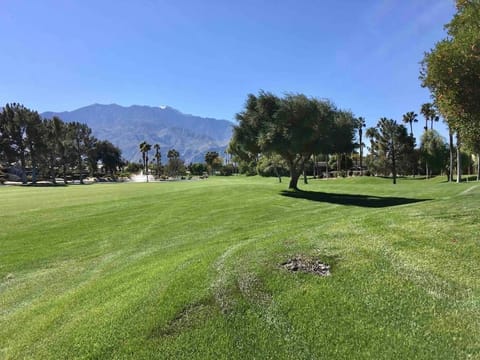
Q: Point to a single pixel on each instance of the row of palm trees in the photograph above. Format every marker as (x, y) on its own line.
(429, 113)
(174, 166)
(409, 118)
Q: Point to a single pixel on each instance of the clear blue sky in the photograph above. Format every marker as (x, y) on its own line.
(204, 57)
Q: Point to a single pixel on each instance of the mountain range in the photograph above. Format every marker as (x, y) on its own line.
(126, 127)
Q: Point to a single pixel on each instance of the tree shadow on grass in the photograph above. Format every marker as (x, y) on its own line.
(351, 199)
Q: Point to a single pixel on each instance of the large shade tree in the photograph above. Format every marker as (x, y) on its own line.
(451, 71)
(293, 127)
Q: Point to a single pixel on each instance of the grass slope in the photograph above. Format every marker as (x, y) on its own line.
(191, 270)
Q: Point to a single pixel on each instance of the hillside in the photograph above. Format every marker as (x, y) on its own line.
(126, 127)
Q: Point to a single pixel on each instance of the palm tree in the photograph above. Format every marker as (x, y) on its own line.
(158, 157)
(359, 125)
(174, 162)
(372, 134)
(409, 118)
(430, 113)
(144, 149)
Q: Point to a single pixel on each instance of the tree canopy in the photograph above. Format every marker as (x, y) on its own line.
(451, 70)
(293, 127)
(391, 147)
(48, 147)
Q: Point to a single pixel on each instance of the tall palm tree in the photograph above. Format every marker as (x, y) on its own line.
(372, 134)
(144, 149)
(359, 125)
(409, 118)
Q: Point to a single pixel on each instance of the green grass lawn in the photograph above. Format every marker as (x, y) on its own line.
(191, 270)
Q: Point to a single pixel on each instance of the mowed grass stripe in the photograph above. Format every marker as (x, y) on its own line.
(192, 270)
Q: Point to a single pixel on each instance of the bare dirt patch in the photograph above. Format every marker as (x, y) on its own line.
(307, 265)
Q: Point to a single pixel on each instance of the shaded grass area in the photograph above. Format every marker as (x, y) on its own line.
(192, 270)
(351, 199)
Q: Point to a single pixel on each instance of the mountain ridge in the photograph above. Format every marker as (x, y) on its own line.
(126, 127)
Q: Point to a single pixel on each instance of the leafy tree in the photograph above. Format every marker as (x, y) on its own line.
(434, 152)
(133, 167)
(175, 165)
(14, 124)
(294, 127)
(410, 118)
(451, 71)
(67, 152)
(474, 148)
(342, 136)
(211, 159)
(272, 165)
(109, 155)
(52, 136)
(227, 170)
(82, 143)
(392, 146)
(47, 146)
(197, 168)
(342, 162)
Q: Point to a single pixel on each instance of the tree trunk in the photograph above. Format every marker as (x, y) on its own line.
(80, 168)
(394, 166)
(478, 167)
(34, 171)
(146, 166)
(65, 174)
(338, 165)
(293, 180)
(450, 139)
(459, 160)
(278, 174)
(294, 174)
(361, 156)
(23, 166)
(305, 181)
(394, 171)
